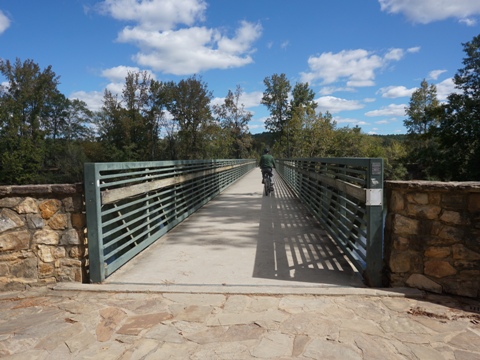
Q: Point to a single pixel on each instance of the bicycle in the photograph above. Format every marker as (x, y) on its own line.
(267, 183)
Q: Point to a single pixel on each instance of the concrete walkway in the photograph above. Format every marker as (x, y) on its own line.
(243, 239)
(246, 277)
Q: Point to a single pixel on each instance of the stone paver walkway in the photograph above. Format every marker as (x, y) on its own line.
(58, 324)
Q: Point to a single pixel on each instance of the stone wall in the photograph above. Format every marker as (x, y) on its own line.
(42, 235)
(432, 236)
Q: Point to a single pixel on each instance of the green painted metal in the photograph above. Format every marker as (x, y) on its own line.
(346, 196)
(131, 205)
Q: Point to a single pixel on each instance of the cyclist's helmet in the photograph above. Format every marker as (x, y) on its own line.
(266, 150)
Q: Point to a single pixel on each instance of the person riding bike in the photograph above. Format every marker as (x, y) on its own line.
(267, 163)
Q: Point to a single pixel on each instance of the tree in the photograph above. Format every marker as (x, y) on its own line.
(234, 119)
(275, 98)
(190, 107)
(144, 101)
(70, 129)
(24, 105)
(424, 112)
(303, 96)
(319, 135)
(301, 108)
(459, 130)
(77, 123)
(111, 130)
(130, 127)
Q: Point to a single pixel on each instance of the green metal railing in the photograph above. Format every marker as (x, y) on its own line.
(346, 196)
(131, 205)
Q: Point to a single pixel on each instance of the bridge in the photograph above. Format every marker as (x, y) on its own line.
(196, 223)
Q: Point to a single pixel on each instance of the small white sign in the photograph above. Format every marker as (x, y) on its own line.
(374, 197)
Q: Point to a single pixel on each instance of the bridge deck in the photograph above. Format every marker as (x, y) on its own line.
(242, 238)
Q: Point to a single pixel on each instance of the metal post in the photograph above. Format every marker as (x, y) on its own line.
(94, 230)
(374, 207)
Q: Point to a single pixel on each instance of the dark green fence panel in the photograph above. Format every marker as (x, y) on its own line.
(346, 196)
(131, 205)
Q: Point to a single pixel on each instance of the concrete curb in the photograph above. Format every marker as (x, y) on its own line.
(239, 289)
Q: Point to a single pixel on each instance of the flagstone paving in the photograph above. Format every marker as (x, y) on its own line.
(43, 323)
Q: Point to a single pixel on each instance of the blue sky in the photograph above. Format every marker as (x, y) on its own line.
(363, 59)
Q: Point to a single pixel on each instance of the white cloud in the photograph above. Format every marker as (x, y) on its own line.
(381, 122)
(445, 88)
(119, 73)
(160, 15)
(394, 54)
(115, 88)
(435, 74)
(249, 100)
(327, 90)
(356, 67)
(390, 110)
(192, 50)
(334, 105)
(427, 11)
(349, 121)
(4, 22)
(413, 50)
(93, 99)
(170, 40)
(258, 125)
(252, 99)
(468, 21)
(4, 86)
(393, 92)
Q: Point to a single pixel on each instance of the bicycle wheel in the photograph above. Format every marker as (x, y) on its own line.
(267, 186)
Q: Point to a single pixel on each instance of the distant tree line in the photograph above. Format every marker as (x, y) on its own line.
(46, 137)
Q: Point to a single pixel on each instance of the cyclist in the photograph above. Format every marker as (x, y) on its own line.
(267, 163)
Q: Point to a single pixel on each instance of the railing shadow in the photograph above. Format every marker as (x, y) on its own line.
(292, 245)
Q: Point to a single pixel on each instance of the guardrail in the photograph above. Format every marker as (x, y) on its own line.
(131, 205)
(346, 196)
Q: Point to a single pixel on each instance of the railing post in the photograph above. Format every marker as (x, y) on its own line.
(94, 230)
(374, 207)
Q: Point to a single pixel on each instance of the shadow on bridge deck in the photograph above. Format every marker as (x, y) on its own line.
(243, 239)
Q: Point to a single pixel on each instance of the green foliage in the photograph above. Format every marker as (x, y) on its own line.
(443, 140)
(21, 161)
(190, 108)
(275, 98)
(459, 130)
(234, 120)
(129, 127)
(424, 114)
(34, 115)
(286, 118)
(45, 137)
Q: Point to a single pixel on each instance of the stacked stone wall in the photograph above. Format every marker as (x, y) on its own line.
(432, 236)
(42, 235)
